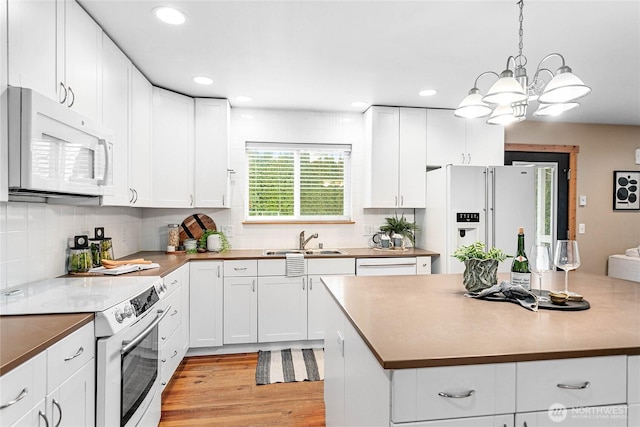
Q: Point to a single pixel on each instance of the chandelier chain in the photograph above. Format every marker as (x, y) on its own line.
(521, 31)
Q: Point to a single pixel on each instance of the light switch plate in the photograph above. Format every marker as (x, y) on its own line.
(581, 229)
(583, 201)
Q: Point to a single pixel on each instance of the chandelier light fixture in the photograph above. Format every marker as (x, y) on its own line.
(508, 98)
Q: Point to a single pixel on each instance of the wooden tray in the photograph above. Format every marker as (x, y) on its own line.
(568, 306)
(194, 225)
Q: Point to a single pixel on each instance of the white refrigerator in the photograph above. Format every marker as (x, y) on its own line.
(477, 203)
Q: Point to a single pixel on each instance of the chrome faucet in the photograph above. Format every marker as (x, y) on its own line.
(304, 242)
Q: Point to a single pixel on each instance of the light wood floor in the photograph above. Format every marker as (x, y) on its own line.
(221, 390)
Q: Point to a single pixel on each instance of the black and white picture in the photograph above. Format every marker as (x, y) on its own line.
(626, 192)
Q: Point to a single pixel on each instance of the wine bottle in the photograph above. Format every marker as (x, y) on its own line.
(520, 273)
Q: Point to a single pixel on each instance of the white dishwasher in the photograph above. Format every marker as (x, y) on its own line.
(393, 266)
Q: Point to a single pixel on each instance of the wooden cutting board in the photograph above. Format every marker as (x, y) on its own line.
(194, 225)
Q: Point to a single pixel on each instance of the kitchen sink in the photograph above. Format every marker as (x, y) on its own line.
(307, 252)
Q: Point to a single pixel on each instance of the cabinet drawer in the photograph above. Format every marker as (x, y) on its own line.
(28, 380)
(341, 266)
(67, 356)
(452, 392)
(493, 421)
(241, 268)
(173, 280)
(423, 265)
(598, 416)
(170, 323)
(577, 382)
(170, 357)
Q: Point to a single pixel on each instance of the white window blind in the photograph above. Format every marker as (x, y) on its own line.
(298, 181)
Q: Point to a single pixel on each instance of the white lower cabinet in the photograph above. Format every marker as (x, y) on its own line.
(594, 416)
(205, 304)
(491, 421)
(282, 308)
(240, 301)
(73, 402)
(633, 390)
(22, 392)
(170, 332)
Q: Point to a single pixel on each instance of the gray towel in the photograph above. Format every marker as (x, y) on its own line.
(505, 291)
(295, 265)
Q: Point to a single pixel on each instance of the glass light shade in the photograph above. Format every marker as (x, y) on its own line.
(564, 87)
(169, 15)
(503, 115)
(472, 106)
(554, 109)
(505, 91)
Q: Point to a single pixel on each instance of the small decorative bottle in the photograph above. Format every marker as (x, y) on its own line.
(520, 273)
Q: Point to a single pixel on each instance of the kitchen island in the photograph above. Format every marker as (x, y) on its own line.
(393, 344)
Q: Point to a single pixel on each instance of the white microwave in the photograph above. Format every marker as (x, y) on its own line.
(54, 151)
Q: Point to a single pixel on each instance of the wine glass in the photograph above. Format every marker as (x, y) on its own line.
(567, 258)
(540, 263)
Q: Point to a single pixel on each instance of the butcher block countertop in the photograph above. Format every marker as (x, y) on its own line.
(170, 262)
(424, 321)
(22, 337)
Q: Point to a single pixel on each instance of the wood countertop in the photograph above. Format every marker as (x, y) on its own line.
(170, 262)
(22, 337)
(424, 321)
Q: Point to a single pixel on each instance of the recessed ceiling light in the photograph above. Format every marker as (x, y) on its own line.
(428, 92)
(203, 80)
(359, 104)
(243, 98)
(169, 15)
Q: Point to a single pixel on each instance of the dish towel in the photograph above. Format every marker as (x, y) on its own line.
(505, 291)
(635, 252)
(295, 265)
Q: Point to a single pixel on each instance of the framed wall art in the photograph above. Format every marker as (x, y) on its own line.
(626, 190)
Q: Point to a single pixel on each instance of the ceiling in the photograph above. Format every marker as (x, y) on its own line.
(323, 55)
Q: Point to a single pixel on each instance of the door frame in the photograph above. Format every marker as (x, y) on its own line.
(573, 151)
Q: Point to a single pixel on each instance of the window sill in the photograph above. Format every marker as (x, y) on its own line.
(298, 222)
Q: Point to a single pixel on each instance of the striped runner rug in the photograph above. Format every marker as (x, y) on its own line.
(284, 366)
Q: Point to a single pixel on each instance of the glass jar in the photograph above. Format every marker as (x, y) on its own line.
(191, 246)
(173, 237)
(101, 249)
(80, 260)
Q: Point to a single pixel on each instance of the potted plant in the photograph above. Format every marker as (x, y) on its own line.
(400, 226)
(481, 267)
(224, 242)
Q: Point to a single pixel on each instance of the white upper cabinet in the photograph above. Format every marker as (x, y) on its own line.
(173, 149)
(140, 177)
(55, 49)
(452, 140)
(211, 135)
(115, 116)
(395, 163)
(4, 179)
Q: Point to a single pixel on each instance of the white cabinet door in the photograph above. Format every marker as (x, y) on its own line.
(82, 60)
(282, 308)
(317, 300)
(36, 417)
(412, 158)
(491, 421)
(211, 141)
(633, 418)
(446, 138)
(32, 27)
(381, 152)
(73, 403)
(334, 365)
(610, 416)
(140, 178)
(205, 307)
(185, 308)
(485, 143)
(173, 143)
(240, 310)
(22, 388)
(115, 116)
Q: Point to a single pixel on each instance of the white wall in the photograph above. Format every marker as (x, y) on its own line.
(281, 126)
(34, 237)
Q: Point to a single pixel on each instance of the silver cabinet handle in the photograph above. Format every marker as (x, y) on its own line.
(218, 271)
(21, 396)
(239, 268)
(582, 386)
(401, 200)
(78, 353)
(44, 417)
(175, 353)
(469, 159)
(303, 283)
(57, 405)
(174, 282)
(310, 283)
(64, 99)
(12, 293)
(73, 100)
(163, 338)
(190, 199)
(223, 200)
(457, 395)
(396, 201)
(131, 198)
(253, 285)
(105, 144)
(174, 312)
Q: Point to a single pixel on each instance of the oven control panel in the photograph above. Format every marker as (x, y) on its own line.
(125, 313)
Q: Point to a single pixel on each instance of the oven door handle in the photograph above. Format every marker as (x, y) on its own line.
(128, 345)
